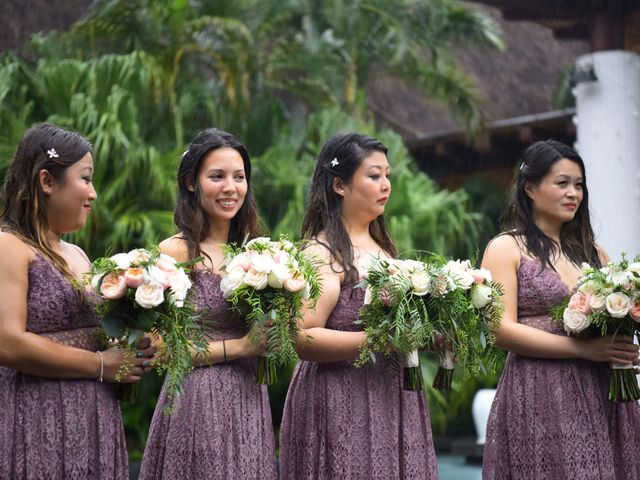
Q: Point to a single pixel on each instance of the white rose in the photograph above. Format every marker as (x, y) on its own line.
(279, 273)
(574, 322)
(590, 287)
(179, 283)
(597, 302)
(618, 304)
(459, 275)
(232, 280)
(265, 241)
(158, 275)
(123, 260)
(618, 278)
(149, 295)
(421, 281)
(634, 270)
(262, 263)
(480, 295)
(256, 279)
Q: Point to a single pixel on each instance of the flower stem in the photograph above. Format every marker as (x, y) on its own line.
(266, 373)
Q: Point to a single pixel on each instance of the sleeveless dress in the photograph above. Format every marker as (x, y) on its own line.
(59, 429)
(346, 423)
(222, 426)
(551, 418)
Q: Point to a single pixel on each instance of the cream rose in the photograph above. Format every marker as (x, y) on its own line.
(618, 304)
(278, 274)
(574, 322)
(149, 295)
(113, 286)
(134, 277)
(421, 282)
(597, 303)
(481, 275)
(179, 283)
(158, 275)
(618, 278)
(138, 255)
(480, 295)
(589, 287)
(295, 283)
(256, 279)
(232, 280)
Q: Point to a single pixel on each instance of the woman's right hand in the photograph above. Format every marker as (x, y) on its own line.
(618, 349)
(114, 359)
(255, 342)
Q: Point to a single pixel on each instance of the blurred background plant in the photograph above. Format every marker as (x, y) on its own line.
(141, 77)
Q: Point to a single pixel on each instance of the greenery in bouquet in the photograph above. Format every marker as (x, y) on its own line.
(394, 316)
(268, 283)
(145, 291)
(468, 308)
(607, 302)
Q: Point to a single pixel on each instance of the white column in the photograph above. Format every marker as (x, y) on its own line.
(608, 140)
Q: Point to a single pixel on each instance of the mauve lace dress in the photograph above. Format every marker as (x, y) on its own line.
(551, 418)
(58, 429)
(346, 423)
(222, 427)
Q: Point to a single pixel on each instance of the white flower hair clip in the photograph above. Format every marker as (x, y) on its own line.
(52, 153)
(334, 162)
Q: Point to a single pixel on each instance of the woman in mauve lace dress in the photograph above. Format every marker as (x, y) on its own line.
(341, 422)
(221, 428)
(551, 418)
(59, 419)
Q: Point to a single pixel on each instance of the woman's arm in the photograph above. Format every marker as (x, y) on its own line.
(31, 353)
(502, 258)
(317, 343)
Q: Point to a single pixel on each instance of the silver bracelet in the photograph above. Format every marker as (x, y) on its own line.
(101, 366)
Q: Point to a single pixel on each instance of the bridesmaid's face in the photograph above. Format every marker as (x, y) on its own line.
(222, 183)
(369, 189)
(68, 201)
(559, 194)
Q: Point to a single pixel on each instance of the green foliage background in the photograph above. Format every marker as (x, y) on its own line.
(140, 78)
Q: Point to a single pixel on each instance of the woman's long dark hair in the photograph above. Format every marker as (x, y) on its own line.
(42, 147)
(576, 236)
(340, 157)
(188, 214)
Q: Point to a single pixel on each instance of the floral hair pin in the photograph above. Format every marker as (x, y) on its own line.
(334, 162)
(52, 153)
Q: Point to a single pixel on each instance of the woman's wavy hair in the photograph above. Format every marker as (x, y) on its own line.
(42, 147)
(576, 236)
(340, 157)
(188, 214)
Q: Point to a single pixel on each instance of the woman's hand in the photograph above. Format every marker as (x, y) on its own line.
(618, 349)
(117, 360)
(255, 342)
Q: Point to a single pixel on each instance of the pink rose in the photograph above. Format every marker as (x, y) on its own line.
(134, 277)
(113, 286)
(579, 302)
(634, 312)
(480, 275)
(166, 263)
(295, 283)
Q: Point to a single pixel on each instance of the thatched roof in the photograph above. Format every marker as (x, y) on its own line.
(517, 82)
(19, 19)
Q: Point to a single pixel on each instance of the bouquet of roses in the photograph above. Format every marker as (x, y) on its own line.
(395, 316)
(145, 291)
(607, 301)
(470, 301)
(267, 282)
